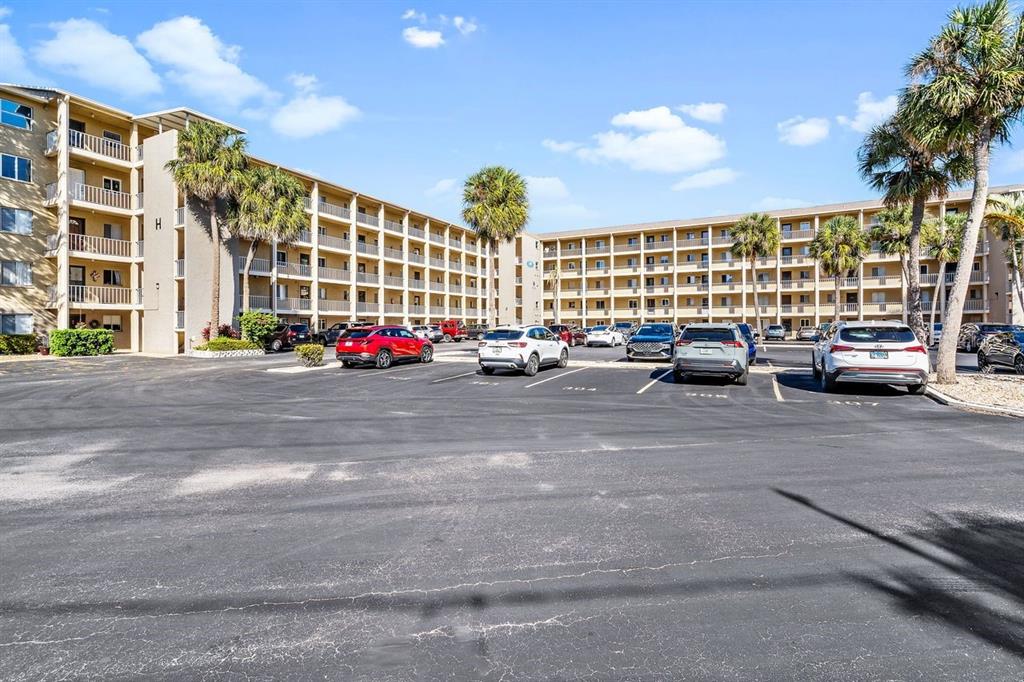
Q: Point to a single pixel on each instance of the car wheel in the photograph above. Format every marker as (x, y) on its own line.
(1018, 364)
(984, 366)
(753, 360)
(384, 359)
(532, 366)
(347, 364)
(487, 370)
(563, 359)
(427, 354)
(678, 377)
(814, 369)
(916, 389)
(828, 382)
(276, 346)
(447, 338)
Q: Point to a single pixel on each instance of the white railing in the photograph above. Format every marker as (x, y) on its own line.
(454, 265)
(437, 238)
(87, 243)
(393, 226)
(367, 307)
(179, 319)
(52, 140)
(367, 278)
(415, 258)
(257, 302)
(369, 249)
(455, 243)
(436, 310)
(627, 247)
(393, 253)
(138, 153)
(304, 237)
(99, 145)
(337, 274)
(179, 267)
(883, 280)
(332, 242)
(88, 295)
(472, 291)
(417, 310)
(472, 269)
(333, 210)
(436, 263)
(454, 289)
(975, 305)
(391, 281)
(692, 243)
(179, 216)
(884, 307)
(416, 232)
(417, 284)
(294, 304)
(332, 305)
(295, 269)
(102, 197)
(393, 308)
(437, 286)
(260, 266)
(797, 234)
(367, 219)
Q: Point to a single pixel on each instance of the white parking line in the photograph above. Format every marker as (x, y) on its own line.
(457, 376)
(653, 381)
(538, 383)
(775, 387)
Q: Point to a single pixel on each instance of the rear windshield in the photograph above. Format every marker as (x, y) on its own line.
(775, 326)
(356, 333)
(598, 329)
(877, 334)
(655, 330)
(299, 328)
(558, 328)
(1020, 337)
(707, 334)
(503, 335)
(623, 325)
(996, 327)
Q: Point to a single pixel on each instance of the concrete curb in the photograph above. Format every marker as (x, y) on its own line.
(943, 399)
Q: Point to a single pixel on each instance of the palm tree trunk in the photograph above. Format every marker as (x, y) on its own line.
(913, 268)
(245, 273)
(492, 313)
(946, 365)
(558, 304)
(838, 314)
(1018, 289)
(935, 301)
(757, 307)
(215, 284)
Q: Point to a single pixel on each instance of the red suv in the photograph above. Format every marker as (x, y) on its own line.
(381, 346)
(453, 330)
(571, 335)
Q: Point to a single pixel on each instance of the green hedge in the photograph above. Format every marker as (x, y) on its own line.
(310, 354)
(17, 344)
(256, 326)
(225, 343)
(68, 342)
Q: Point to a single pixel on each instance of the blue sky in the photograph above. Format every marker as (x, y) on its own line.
(618, 113)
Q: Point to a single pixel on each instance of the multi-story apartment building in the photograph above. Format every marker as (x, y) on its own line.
(96, 232)
(682, 271)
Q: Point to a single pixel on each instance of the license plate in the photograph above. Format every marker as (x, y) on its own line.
(879, 355)
(346, 343)
(705, 351)
(497, 351)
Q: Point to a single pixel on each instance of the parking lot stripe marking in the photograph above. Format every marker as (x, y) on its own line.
(457, 376)
(653, 381)
(571, 371)
(775, 387)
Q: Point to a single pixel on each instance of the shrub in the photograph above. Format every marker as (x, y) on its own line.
(17, 344)
(225, 343)
(225, 330)
(256, 326)
(310, 354)
(71, 342)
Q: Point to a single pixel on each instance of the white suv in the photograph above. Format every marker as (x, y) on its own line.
(525, 347)
(871, 353)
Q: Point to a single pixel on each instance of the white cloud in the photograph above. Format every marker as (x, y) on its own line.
(201, 63)
(464, 26)
(666, 145)
(15, 69)
(776, 203)
(551, 201)
(708, 178)
(304, 82)
(560, 147)
(546, 188)
(870, 112)
(801, 132)
(413, 15)
(306, 115)
(419, 38)
(86, 50)
(442, 186)
(711, 112)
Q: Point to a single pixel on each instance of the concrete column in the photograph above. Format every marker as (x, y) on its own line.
(711, 275)
(860, 275)
(940, 313)
(743, 289)
(63, 214)
(406, 292)
(611, 278)
(817, 274)
(380, 264)
(427, 273)
(135, 235)
(273, 276)
(314, 228)
(352, 296)
(778, 279)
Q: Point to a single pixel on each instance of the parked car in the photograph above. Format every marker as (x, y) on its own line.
(571, 335)
(651, 342)
(710, 349)
(807, 334)
(382, 346)
(429, 332)
(475, 332)
(625, 328)
(972, 334)
(329, 336)
(749, 336)
(871, 353)
(453, 330)
(936, 333)
(287, 336)
(603, 335)
(775, 332)
(1005, 349)
(525, 347)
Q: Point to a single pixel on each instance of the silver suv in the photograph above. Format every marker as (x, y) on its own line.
(710, 349)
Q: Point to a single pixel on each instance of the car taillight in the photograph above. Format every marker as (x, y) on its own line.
(517, 344)
(734, 344)
(916, 349)
(838, 348)
(683, 342)
(482, 344)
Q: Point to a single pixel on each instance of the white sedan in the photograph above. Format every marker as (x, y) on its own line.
(525, 347)
(871, 353)
(605, 336)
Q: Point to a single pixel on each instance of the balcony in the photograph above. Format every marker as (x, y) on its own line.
(437, 310)
(339, 243)
(883, 281)
(797, 234)
(95, 196)
(791, 284)
(179, 216)
(329, 209)
(437, 238)
(303, 270)
(598, 249)
(294, 304)
(417, 284)
(394, 282)
(417, 233)
(394, 309)
(367, 307)
(454, 265)
(179, 268)
(436, 263)
(455, 243)
(257, 302)
(179, 320)
(454, 289)
(92, 246)
(260, 266)
(417, 310)
(368, 249)
(846, 282)
(367, 219)
(416, 258)
(110, 297)
(91, 145)
(437, 286)
(883, 308)
(392, 226)
(550, 253)
(335, 274)
(396, 254)
(331, 305)
(367, 278)
(692, 243)
(975, 306)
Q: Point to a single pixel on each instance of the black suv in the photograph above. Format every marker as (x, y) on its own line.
(329, 336)
(288, 335)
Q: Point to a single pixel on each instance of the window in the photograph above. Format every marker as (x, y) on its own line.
(663, 281)
(15, 273)
(16, 220)
(116, 137)
(599, 305)
(634, 304)
(112, 184)
(112, 231)
(112, 322)
(664, 260)
(664, 303)
(15, 115)
(632, 241)
(805, 225)
(649, 260)
(15, 323)
(952, 211)
(649, 239)
(112, 278)
(282, 257)
(15, 167)
(599, 265)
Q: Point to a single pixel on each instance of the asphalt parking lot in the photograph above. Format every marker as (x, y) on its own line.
(189, 519)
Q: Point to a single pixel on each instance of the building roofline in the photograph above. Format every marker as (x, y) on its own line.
(189, 112)
(27, 90)
(732, 218)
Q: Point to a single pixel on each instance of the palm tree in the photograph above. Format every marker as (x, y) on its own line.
(894, 161)
(756, 235)
(840, 246)
(210, 165)
(268, 206)
(892, 234)
(554, 278)
(1005, 217)
(495, 204)
(942, 242)
(972, 74)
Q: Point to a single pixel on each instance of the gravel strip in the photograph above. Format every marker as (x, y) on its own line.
(997, 390)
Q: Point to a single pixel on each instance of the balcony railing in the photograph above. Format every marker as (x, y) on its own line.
(417, 284)
(101, 146)
(294, 304)
(392, 226)
(179, 216)
(295, 269)
(393, 253)
(117, 296)
(367, 307)
(179, 267)
(455, 243)
(104, 197)
(87, 243)
(797, 234)
(437, 238)
(415, 258)
(416, 232)
(417, 310)
(390, 281)
(437, 310)
(825, 282)
(331, 305)
(436, 263)
(367, 278)
(330, 209)
(437, 286)
(394, 308)
(260, 266)
(337, 274)
(884, 307)
(454, 265)
(332, 242)
(975, 305)
(367, 219)
(179, 319)
(368, 249)
(257, 302)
